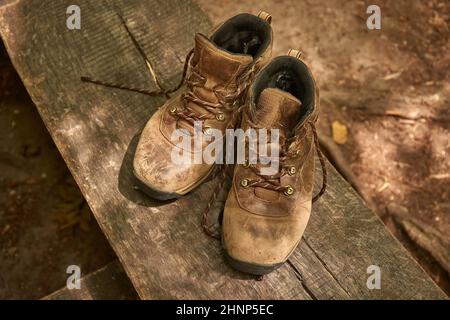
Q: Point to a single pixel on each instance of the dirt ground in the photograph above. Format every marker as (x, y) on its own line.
(387, 93)
(45, 223)
(384, 123)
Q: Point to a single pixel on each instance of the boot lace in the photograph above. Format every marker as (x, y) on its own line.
(271, 182)
(289, 149)
(227, 100)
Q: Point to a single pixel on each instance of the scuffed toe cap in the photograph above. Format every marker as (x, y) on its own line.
(258, 240)
(154, 167)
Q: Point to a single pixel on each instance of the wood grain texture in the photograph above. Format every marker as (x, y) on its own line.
(107, 283)
(160, 244)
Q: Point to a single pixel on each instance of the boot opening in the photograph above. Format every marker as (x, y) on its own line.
(291, 75)
(244, 34)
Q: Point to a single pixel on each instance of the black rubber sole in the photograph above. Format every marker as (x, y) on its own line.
(250, 268)
(154, 193)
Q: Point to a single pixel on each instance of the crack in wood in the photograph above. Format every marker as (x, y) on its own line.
(299, 276)
(326, 267)
(143, 54)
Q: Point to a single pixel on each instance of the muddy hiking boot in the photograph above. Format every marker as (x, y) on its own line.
(217, 74)
(265, 215)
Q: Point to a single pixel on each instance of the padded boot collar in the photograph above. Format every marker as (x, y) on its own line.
(292, 75)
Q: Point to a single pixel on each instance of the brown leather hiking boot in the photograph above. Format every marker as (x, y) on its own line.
(265, 216)
(222, 67)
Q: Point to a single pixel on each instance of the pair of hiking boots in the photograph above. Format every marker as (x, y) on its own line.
(230, 83)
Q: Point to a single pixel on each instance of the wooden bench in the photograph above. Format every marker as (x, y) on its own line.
(107, 283)
(161, 245)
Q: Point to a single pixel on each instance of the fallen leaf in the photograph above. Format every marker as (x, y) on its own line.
(340, 132)
(393, 76)
(383, 187)
(440, 176)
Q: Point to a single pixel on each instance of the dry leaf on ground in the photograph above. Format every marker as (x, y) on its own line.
(339, 132)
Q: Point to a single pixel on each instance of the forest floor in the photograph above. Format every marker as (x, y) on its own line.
(45, 223)
(384, 123)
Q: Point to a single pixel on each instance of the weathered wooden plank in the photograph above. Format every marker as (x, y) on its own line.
(343, 239)
(107, 283)
(161, 245)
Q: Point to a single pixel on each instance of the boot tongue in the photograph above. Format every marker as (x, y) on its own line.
(277, 109)
(218, 65)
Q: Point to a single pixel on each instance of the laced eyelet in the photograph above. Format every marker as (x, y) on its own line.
(220, 117)
(173, 110)
(244, 183)
(246, 163)
(289, 191)
(292, 171)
